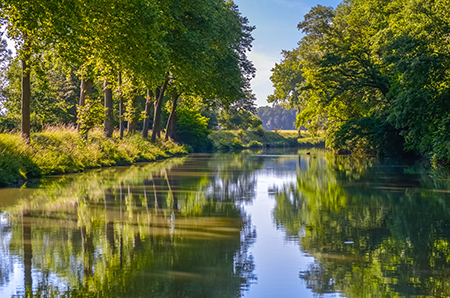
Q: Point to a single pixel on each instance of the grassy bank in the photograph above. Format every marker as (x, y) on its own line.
(62, 150)
(239, 139)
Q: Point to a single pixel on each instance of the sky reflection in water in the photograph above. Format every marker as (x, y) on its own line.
(253, 224)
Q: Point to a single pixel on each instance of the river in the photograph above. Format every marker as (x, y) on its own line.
(282, 223)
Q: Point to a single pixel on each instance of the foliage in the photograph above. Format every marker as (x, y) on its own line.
(277, 117)
(232, 140)
(197, 49)
(254, 144)
(373, 74)
(287, 78)
(155, 200)
(236, 144)
(53, 98)
(90, 115)
(367, 243)
(235, 119)
(259, 131)
(368, 135)
(192, 129)
(309, 142)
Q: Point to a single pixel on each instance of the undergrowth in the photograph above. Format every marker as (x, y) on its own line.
(62, 150)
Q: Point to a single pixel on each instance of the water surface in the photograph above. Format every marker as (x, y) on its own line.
(251, 224)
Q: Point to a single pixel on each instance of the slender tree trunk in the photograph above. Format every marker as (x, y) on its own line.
(157, 115)
(147, 114)
(26, 100)
(170, 127)
(131, 128)
(27, 253)
(109, 124)
(85, 92)
(120, 107)
(87, 247)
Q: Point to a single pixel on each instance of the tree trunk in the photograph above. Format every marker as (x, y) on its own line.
(85, 92)
(27, 253)
(26, 100)
(120, 107)
(109, 124)
(131, 127)
(147, 114)
(157, 114)
(171, 122)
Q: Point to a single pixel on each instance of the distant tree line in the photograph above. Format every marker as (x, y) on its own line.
(374, 75)
(127, 64)
(277, 117)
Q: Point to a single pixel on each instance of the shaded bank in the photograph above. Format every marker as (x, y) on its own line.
(62, 150)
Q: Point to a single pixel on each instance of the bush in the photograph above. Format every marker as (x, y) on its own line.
(259, 131)
(236, 144)
(254, 144)
(192, 129)
(369, 135)
(223, 145)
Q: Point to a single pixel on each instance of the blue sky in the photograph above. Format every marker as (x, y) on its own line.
(276, 29)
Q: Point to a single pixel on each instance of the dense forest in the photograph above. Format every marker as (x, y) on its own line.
(374, 75)
(133, 64)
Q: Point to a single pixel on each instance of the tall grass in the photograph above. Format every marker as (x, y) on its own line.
(58, 150)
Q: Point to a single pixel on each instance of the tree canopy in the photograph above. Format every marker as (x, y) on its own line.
(119, 50)
(373, 74)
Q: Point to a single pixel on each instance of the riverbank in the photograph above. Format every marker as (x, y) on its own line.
(62, 150)
(239, 139)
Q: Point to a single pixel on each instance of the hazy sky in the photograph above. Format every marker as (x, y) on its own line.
(276, 29)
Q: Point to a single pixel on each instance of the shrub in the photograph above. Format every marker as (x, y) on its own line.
(240, 134)
(259, 131)
(254, 144)
(192, 129)
(236, 144)
(223, 145)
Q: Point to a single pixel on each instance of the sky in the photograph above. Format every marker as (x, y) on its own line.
(276, 30)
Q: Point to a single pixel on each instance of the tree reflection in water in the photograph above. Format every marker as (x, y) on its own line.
(174, 229)
(375, 228)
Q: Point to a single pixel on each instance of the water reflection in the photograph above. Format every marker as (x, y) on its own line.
(375, 228)
(230, 225)
(173, 229)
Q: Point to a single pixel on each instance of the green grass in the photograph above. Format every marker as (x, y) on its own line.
(227, 139)
(312, 142)
(62, 150)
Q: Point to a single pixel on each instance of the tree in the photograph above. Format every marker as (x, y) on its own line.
(287, 79)
(277, 117)
(211, 46)
(23, 26)
(53, 96)
(238, 119)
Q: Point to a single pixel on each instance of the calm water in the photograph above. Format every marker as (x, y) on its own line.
(253, 224)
